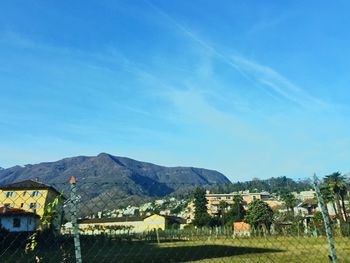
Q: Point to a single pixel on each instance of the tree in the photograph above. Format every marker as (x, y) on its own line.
(259, 215)
(222, 212)
(237, 212)
(337, 185)
(201, 216)
(328, 197)
(343, 192)
(290, 202)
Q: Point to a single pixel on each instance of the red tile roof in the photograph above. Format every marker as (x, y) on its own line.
(5, 210)
(241, 226)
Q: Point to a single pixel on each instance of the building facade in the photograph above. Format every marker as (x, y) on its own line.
(129, 224)
(215, 200)
(18, 220)
(32, 197)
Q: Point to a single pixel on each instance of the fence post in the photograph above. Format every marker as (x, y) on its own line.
(73, 199)
(325, 216)
(157, 234)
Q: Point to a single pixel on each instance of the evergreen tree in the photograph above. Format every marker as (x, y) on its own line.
(201, 216)
(259, 215)
(237, 212)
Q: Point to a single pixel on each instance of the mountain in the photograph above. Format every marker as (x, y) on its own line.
(105, 175)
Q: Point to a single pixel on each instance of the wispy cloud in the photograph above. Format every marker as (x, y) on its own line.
(257, 74)
(278, 83)
(194, 108)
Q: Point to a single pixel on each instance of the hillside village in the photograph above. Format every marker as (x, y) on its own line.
(185, 208)
(33, 214)
(24, 203)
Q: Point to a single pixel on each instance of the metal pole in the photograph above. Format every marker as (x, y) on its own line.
(73, 199)
(325, 216)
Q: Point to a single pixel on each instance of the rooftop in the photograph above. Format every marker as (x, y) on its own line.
(28, 185)
(129, 219)
(111, 220)
(8, 211)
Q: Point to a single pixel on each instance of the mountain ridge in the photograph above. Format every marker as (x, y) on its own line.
(127, 175)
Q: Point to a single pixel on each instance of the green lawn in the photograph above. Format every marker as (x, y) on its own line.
(271, 249)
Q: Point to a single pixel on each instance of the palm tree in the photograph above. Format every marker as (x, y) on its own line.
(328, 197)
(290, 201)
(337, 185)
(343, 193)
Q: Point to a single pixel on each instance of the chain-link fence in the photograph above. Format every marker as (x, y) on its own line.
(109, 222)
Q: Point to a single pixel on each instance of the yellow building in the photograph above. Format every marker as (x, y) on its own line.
(131, 224)
(28, 195)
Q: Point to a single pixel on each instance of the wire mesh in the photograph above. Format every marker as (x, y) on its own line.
(117, 224)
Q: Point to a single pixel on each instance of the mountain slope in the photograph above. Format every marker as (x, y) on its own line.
(110, 173)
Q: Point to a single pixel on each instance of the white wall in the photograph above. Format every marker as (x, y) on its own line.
(27, 223)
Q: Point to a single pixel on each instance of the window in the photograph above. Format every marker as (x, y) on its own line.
(22, 204)
(33, 206)
(24, 193)
(10, 194)
(35, 194)
(16, 222)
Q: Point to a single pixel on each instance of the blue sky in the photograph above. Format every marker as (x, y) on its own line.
(249, 88)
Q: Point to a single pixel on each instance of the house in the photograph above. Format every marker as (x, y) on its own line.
(18, 220)
(30, 196)
(129, 224)
(274, 204)
(304, 195)
(310, 205)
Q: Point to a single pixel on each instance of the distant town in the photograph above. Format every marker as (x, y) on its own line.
(23, 205)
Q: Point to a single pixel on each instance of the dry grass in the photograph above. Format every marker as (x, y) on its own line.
(270, 249)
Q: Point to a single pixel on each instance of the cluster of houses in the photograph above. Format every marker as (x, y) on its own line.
(166, 206)
(22, 205)
(305, 206)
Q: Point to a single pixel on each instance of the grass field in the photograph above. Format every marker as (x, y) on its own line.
(271, 249)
